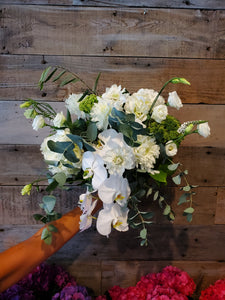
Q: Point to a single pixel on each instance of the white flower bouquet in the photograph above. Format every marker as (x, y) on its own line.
(119, 145)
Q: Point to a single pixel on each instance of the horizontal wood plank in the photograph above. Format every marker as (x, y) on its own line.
(209, 4)
(168, 242)
(16, 129)
(18, 209)
(220, 206)
(21, 164)
(21, 73)
(162, 32)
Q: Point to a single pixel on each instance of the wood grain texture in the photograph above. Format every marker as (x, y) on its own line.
(205, 165)
(220, 206)
(205, 4)
(20, 75)
(162, 32)
(16, 129)
(18, 209)
(168, 242)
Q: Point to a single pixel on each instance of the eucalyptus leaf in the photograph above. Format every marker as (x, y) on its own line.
(52, 228)
(92, 131)
(177, 179)
(46, 236)
(60, 178)
(167, 210)
(149, 192)
(189, 217)
(58, 147)
(187, 188)
(143, 233)
(49, 202)
(76, 139)
(189, 210)
(70, 155)
(183, 199)
(173, 167)
(156, 195)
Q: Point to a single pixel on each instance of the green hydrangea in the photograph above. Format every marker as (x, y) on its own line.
(87, 103)
(166, 130)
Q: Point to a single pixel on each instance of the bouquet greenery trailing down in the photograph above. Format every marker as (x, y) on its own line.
(119, 145)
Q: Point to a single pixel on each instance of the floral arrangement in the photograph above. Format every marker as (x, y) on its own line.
(215, 291)
(119, 145)
(46, 282)
(170, 283)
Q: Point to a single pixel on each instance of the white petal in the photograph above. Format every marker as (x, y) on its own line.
(104, 222)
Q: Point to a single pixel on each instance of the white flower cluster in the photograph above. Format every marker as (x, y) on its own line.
(104, 168)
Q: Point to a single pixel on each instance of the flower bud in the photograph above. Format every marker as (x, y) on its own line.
(30, 113)
(26, 189)
(25, 104)
(38, 122)
(189, 128)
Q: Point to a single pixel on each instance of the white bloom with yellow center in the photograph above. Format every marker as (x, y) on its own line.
(87, 206)
(114, 216)
(117, 155)
(72, 105)
(114, 189)
(93, 167)
(147, 153)
(159, 113)
(171, 148)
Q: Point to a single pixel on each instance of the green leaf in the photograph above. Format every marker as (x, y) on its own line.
(50, 75)
(160, 177)
(189, 217)
(48, 203)
(92, 131)
(183, 199)
(46, 236)
(143, 243)
(96, 82)
(189, 210)
(186, 188)
(70, 155)
(53, 185)
(147, 214)
(167, 210)
(143, 233)
(177, 179)
(76, 139)
(156, 195)
(58, 147)
(39, 217)
(88, 146)
(149, 192)
(43, 77)
(59, 75)
(171, 216)
(60, 178)
(173, 167)
(52, 228)
(69, 80)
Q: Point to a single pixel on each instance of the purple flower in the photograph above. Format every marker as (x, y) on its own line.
(17, 292)
(72, 292)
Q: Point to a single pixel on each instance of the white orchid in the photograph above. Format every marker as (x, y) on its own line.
(115, 216)
(114, 189)
(88, 206)
(93, 167)
(117, 155)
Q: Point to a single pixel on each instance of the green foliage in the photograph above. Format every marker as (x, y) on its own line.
(166, 130)
(87, 103)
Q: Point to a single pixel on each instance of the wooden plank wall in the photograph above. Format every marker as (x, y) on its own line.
(135, 44)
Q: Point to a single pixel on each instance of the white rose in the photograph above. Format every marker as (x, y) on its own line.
(38, 122)
(174, 100)
(171, 148)
(59, 120)
(204, 129)
(159, 113)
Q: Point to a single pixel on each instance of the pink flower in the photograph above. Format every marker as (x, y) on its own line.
(215, 291)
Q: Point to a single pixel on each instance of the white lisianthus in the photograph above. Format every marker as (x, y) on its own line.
(171, 148)
(38, 122)
(58, 160)
(115, 94)
(72, 105)
(117, 155)
(174, 100)
(149, 95)
(114, 189)
(203, 129)
(147, 153)
(93, 166)
(100, 112)
(115, 216)
(59, 120)
(159, 113)
(136, 105)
